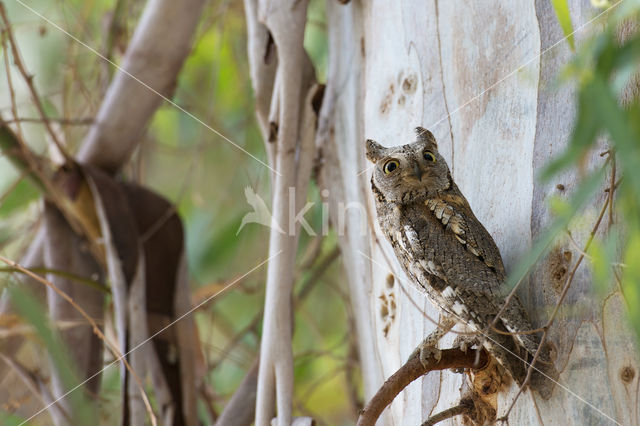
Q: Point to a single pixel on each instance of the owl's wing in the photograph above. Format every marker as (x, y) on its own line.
(460, 257)
(454, 212)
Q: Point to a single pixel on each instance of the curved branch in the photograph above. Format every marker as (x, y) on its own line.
(413, 369)
(159, 46)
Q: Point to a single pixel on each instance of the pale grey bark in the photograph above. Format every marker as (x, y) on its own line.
(288, 128)
(240, 409)
(397, 65)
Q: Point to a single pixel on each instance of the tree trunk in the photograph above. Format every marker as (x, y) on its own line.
(479, 76)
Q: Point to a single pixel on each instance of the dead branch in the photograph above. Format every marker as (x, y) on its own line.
(61, 121)
(413, 369)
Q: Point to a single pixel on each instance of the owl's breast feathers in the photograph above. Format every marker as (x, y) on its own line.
(445, 250)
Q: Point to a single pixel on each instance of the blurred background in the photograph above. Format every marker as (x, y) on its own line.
(205, 177)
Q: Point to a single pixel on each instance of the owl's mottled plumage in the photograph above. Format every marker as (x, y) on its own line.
(446, 251)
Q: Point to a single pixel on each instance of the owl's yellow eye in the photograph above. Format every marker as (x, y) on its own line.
(428, 155)
(390, 166)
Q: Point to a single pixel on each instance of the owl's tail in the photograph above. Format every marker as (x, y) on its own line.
(517, 361)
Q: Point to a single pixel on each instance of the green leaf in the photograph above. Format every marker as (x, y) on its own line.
(588, 125)
(561, 8)
(18, 197)
(559, 206)
(619, 123)
(584, 191)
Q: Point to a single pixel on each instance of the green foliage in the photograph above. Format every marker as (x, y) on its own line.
(315, 38)
(602, 259)
(565, 212)
(606, 69)
(33, 313)
(10, 419)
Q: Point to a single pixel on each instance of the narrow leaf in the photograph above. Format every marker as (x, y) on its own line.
(19, 196)
(588, 125)
(586, 189)
(561, 8)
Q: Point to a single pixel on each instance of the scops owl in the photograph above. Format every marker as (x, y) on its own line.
(449, 255)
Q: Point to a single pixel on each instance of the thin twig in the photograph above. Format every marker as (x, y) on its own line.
(565, 290)
(515, 288)
(527, 378)
(34, 383)
(96, 329)
(465, 406)
(12, 93)
(28, 78)
(612, 187)
(61, 121)
(64, 274)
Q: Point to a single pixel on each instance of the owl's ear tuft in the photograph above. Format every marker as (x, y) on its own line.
(374, 150)
(427, 138)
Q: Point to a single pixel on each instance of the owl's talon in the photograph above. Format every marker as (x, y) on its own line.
(465, 342)
(427, 351)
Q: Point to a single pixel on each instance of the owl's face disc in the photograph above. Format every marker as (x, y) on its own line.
(411, 172)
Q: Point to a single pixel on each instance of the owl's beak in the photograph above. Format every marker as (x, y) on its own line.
(417, 171)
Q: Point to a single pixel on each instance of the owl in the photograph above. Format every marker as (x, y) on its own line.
(449, 255)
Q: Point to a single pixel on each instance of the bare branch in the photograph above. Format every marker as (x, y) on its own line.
(155, 55)
(291, 150)
(410, 371)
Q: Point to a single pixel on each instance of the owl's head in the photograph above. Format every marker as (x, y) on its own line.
(409, 172)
